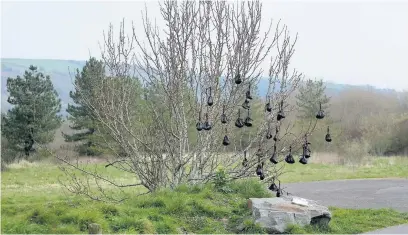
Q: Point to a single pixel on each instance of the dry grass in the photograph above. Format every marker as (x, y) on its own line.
(325, 158)
(25, 164)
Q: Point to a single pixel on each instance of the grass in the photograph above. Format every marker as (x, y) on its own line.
(349, 221)
(377, 167)
(33, 202)
(198, 209)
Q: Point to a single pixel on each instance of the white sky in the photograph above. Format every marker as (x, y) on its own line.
(354, 42)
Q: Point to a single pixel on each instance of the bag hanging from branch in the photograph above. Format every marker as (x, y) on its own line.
(320, 113)
(210, 101)
(226, 141)
(199, 125)
(246, 105)
(245, 161)
(273, 158)
(269, 133)
(273, 187)
(259, 170)
(303, 160)
(328, 137)
(268, 106)
(248, 120)
(278, 193)
(262, 176)
(289, 158)
(279, 190)
(239, 122)
(306, 149)
(281, 114)
(275, 138)
(207, 124)
(223, 116)
(248, 93)
(238, 79)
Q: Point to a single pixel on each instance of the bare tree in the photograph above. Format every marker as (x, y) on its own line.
(203, 49)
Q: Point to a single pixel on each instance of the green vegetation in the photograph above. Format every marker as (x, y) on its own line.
(150, 136)
(33, 201)
(33, 118)
(199, 209)
(311, 95)
(378, 124)
(376, 167)
(348, 221)
(368, 123)
(80, 115)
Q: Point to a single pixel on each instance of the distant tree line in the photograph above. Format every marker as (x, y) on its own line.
(377, 122)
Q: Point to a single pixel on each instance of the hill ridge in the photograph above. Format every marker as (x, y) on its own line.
(60, 69)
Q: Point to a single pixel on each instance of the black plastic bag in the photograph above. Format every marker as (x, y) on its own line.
(245, 161)
(239, 122)
(306, 149)
(320, 113)
(259, 170)
(207, 123)
(289, 158)
(278, 193)
(199, 125)
(303, 160)
(248, 120)
(281, 114)
(269, 133)
(246, 105)
(225, 141)
(268, 106)
(328, 137)
(224, 118)
(238, 79)
(210, 101)
(273, 187)
(262, 176)
(275, 137)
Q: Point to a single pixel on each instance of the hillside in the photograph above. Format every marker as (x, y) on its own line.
(62, 75)
(60, 71)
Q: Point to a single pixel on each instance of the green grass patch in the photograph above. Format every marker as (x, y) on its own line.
(351, 221)
(33, 201)
(195, 209)
(379, 167)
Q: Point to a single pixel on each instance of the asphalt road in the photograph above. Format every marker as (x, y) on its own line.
(358, 194)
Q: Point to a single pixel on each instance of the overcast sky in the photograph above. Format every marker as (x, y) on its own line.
(354, 42)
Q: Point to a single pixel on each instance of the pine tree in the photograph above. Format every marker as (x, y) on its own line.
(80, 115)
(310, 95)
(33, 117)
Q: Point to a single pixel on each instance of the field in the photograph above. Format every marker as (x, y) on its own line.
(33, 201)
